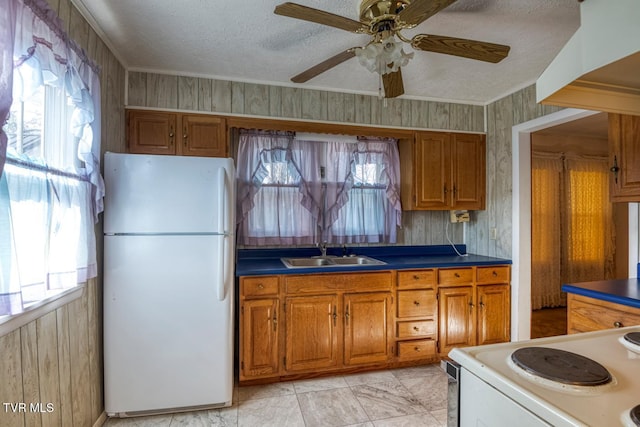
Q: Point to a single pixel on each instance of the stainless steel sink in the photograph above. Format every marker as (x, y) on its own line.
(312, 262)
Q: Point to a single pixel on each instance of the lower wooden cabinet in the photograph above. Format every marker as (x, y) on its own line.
(586, 314)
(292, 326)
(474, 309)
(311, 337)
(366, 328)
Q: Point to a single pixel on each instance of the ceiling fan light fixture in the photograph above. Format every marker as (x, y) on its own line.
(384, 56)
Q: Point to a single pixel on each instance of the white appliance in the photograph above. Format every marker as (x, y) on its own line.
(168, 283)
(493, 391)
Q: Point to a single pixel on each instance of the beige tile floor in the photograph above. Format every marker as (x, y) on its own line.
(406, 397)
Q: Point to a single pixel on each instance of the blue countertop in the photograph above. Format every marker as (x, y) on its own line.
(255, 262)
(619, 291)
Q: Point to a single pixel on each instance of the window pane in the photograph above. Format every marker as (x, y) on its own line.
(25, 125)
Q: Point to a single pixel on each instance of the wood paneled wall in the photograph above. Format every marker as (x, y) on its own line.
(250, 99)
(502, 115)
(57, 358)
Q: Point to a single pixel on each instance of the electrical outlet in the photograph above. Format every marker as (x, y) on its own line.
(493, 233)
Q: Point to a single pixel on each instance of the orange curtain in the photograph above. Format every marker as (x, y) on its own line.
(572, 225)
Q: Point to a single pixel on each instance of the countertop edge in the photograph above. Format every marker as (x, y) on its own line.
(601, 294)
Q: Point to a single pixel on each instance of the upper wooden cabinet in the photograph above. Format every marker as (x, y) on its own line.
(443, 171)
(159, 132)
(624, 157)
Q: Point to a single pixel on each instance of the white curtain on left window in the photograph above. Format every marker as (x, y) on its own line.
(50, 197)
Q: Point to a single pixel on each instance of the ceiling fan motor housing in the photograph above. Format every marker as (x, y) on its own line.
(374, 11)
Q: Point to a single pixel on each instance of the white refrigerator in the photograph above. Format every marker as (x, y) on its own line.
(168, 283)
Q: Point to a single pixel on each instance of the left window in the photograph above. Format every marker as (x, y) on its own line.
(46, 220)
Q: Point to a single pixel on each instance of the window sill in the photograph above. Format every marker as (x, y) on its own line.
(10, 323)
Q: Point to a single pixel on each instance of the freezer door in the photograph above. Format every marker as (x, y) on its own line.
(167, 194)
(168, 340)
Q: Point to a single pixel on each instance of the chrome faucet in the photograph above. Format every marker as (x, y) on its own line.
(323, 248)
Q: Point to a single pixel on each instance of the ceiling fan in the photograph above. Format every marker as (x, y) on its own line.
(383, 20)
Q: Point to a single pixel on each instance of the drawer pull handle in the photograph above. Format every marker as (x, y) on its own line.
(494, 273)
(260, 286)
(416, 302)
(456, 274)
(415, 328)
(275, 323)
(618, 324)
(416, 277)
(416, 348)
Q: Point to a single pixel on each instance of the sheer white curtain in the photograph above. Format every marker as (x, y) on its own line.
(50, 186)
(303, 192)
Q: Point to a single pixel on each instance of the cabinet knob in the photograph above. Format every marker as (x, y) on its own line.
(617, 324)
(416, 348)
(615, 169)
(495, 274)
(171, 134)
(456, 275)
(260, 286)
(415, 328)
(416, 302)
(416, 277)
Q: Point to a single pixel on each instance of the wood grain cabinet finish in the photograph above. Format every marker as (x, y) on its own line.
(624, 157)
(474, 306)
(416, 315)
(260, 321)
(586, 314)
(337, 321)
(159, 132)
(443, 171)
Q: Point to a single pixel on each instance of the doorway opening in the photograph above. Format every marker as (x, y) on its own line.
(522, 201)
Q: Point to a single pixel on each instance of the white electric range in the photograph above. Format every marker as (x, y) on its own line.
(521, 383)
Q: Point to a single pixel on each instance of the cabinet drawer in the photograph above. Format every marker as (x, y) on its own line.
(495, 274)
(418, 328)
(416, 278)
(418, 349)
(418, 303)
(331, 283)
(587, 314)
(259, 286)
(455, 276)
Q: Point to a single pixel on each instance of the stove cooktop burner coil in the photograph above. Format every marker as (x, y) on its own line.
(633, 337)
(561, 366)
(634, 413)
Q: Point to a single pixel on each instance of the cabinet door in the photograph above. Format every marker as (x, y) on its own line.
(312, 332)
(367, 318)
(259, 338)
(456, 314)
(624, 154)
(203, 135)
(151, 132)
(432, 159)
(468, 170)
(494, 314)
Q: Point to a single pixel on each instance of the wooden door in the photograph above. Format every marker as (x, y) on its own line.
(456, 315)
(494, 314)
(468, 170)
(312, 329)
(151, 132)
(259, 326)
(367, 321)
(432, 159)
(624, 157)
(203, 135)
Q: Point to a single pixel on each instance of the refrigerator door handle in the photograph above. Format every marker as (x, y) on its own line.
(222, 202)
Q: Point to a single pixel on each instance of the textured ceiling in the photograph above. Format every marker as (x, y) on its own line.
(243, 40)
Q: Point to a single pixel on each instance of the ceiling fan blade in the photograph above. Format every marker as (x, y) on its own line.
(323, 66)
(419, 10)
(392, 83)
(298, 11)
(482, 51)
